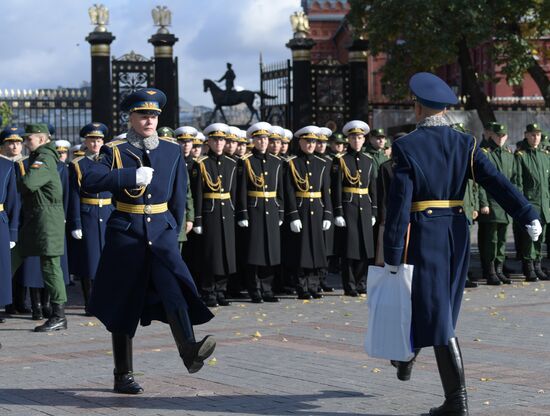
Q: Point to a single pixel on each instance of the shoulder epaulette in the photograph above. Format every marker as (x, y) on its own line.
(115, 143)
(244, 157)
(508, 149)
(231, 159)
(291, 158)
(321, 159)
(77, 159)
(367, 155)
(485, 149)
(201, 159)
(169, 140)
(519, 152)
(275, 156)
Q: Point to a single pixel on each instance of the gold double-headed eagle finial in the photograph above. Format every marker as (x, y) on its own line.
(99, 16)
(162, 17)
(300, 24)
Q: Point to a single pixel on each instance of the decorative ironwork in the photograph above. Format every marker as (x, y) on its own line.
(68, 109)
(330, 95)
(276, 81)
(130, 72)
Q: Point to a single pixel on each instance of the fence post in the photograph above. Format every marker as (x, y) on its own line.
(358, 79)
(301, 81)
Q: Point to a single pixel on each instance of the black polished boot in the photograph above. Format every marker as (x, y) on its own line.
(19, 296)
(490, 274)
(36, 305)
(404, 368)
(46, 305)
(451, 371)
(529, 271)
(193, 353)
(86, 291)
(500, 274)
(124, 370)
(539, 272)
(56, 322)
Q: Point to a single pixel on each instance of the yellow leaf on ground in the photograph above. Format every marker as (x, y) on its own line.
(306, 301)
(485, 379)
(212, 361)
(257, 334)
(487, 403)
(376, 370)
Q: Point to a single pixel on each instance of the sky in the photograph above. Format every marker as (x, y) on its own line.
(44, 46)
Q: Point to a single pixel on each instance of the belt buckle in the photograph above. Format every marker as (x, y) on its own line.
(147, 209)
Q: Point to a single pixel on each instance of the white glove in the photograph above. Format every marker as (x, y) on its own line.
(340, 222)
(242, 223)
(390, 268)
(373, 220)
(280, 222)
(144, 176)
(12, 244)
(534, 230)
(197, 230)
(77, 234)
(296, 226)
(326, 225)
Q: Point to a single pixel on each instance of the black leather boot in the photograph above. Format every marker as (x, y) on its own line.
(529, 271)
(86, 291)
(19, 293)
(404, 368)
(451, 371)
(539, 272)
(124, 369)
(46, 305)
(500, 274)
(490, 274)
(193, 353)
(36, 304)
(56, 322)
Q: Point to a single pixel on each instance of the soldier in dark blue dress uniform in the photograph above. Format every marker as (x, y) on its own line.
(432, 168)
(88, 212)
(141, 275)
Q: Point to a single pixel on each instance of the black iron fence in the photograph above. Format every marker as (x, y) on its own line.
(276, 82)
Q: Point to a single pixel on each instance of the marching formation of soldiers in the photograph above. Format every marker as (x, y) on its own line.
(268, 212)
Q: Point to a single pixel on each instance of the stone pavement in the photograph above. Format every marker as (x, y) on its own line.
(296, 357)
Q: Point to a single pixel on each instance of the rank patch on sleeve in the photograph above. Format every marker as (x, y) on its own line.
(37, 164)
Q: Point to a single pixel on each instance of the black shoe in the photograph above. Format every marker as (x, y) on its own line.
(493, 280)
(211, 302)
(501, 276)
(305, 296)
(539, 272)
(470, 284)
(270, 298)
(316, 295)
(125, 384)
(404, 368)
(56, 322)
(352, 293)
(287, 290)
(36, 304)
(326, 288)
(529, 271)
(256, 297)
(196, 353)
(222, 301)
(2, 320)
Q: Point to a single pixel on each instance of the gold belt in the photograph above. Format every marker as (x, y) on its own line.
(352, 190)
(262, 194)
(308, 194)
(1, 207)
(142, 209)
(213, 195)
(418, 206)
(96, 201)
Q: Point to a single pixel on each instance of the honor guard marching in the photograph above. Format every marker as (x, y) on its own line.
(88, 212)
(214, 185)
(260, 210)
(141, 276)
(42, 233)
(354, 201)
(532, 177)
(493, 220)
(308, 209)
(426, 198)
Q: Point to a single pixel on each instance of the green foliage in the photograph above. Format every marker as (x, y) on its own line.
(422, 35)
(6, 113)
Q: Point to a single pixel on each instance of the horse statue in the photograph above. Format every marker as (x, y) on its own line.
(223, 98)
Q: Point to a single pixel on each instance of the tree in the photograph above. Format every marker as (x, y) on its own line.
(420, 35)
(6, 114)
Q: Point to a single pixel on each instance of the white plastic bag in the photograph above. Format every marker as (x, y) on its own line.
(389, 303)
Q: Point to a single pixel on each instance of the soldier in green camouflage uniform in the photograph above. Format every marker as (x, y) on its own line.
(532, 177)
(376, 147)
(493, 220)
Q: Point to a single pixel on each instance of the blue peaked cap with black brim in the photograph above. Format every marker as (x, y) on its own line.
(431, 91)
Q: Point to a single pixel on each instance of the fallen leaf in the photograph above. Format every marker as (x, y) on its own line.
(285, 340)
(235, 317)
(375, 370)
(348, 314)
(477, 340)
(487, 403)
(541, 391)
(212, 361)
(502, 295)
(237, 333)
(485, 379)
(89, 323)
(317, 327)
(257, 334)
(306, 301)
(156, 350)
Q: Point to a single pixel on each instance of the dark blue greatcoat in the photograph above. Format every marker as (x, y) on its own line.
(141, 250)
(9, 222)
(30, 274)
(435, 163)
(90, 218)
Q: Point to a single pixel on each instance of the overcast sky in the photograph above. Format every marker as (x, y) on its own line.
(43, 43)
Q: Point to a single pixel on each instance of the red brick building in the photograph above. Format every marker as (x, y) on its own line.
(328, 29)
